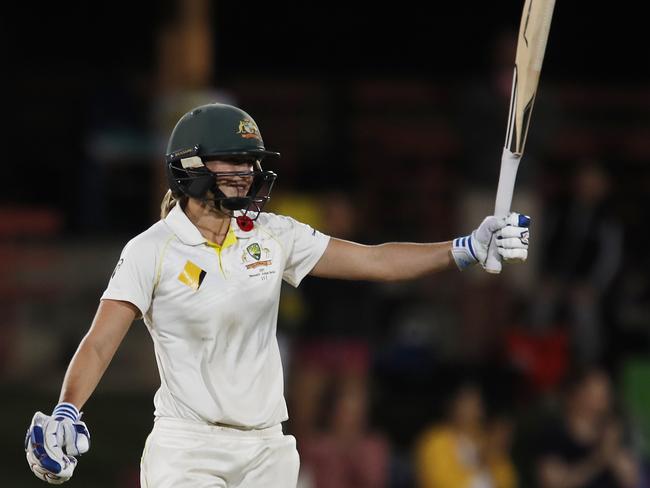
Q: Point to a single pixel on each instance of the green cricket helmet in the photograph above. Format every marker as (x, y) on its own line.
(226, 133)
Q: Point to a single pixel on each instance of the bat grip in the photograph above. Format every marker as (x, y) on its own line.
(505, 189)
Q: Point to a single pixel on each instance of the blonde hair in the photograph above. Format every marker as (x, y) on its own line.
(169, 201)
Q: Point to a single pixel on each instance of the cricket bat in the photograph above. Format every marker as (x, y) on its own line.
(531, 44)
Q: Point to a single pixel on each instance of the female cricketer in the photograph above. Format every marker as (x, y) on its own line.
(206, 280)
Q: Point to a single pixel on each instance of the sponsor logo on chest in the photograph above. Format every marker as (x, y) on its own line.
(192, 275)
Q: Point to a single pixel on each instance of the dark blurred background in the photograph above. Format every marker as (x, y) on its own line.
(390, 120)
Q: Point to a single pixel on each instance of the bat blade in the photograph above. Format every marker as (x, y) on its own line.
(531, 46)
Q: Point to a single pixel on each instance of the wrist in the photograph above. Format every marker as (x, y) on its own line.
(462, 250)
(66, 410)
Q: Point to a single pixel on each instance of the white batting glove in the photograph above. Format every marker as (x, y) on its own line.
(512, 234)
(52, 442)
(512, 240)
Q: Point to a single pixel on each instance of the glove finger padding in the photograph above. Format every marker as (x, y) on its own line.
(42, 473)
(44, 453)
(74, 438)
(511, 231)
(518, 220)
(512, 240)
(512, 243)
(513, 255)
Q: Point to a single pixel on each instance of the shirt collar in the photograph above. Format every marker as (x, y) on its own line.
(183, 227)
(230, 240)
(187, 232)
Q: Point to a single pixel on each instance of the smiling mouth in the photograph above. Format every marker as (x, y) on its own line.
(239, 189)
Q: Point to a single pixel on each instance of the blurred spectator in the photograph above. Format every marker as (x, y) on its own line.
(498, 443)
(586, 448)
(461, 452)
(582, 256)
(333, 344)
(541, 358)
(332, 360)
(346, 454)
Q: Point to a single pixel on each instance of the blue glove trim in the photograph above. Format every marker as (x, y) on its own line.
(66, 410)
(463, 252)
(39, 451)
(524, 220)
(471, 248)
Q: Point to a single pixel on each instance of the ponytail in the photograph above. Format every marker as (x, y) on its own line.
(169, 201)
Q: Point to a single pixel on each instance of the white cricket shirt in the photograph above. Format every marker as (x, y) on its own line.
(212, 313)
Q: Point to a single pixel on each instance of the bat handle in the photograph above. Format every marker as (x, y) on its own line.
(505, 189)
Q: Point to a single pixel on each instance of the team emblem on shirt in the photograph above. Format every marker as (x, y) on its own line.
(192, 275)
(255, 251)
(248, 129)
(255, 256)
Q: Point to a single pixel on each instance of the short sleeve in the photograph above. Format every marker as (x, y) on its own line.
(134, 275)
(307, 248)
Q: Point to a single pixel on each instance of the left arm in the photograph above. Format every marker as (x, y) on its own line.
(393, 261)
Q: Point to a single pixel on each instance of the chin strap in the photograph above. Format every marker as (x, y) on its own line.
(244, 221)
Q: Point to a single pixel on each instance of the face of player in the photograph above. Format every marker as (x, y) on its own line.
(233, 184)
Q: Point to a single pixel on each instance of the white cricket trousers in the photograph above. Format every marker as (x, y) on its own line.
(185, 454)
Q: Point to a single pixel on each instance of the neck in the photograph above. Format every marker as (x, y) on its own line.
(212, 224)
(468, 429)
